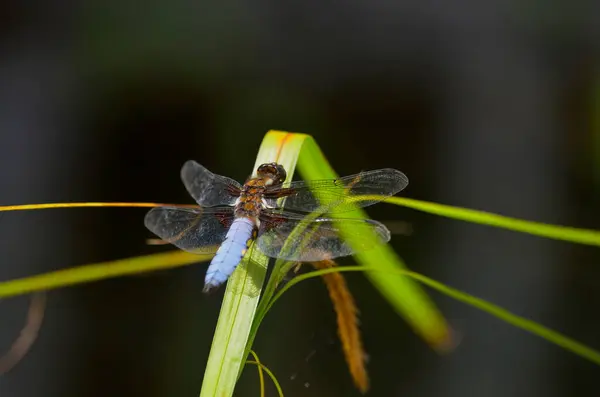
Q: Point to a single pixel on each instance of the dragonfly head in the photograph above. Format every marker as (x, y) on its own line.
(272, 171)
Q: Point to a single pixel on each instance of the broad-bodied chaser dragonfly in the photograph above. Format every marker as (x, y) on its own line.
(232, 216)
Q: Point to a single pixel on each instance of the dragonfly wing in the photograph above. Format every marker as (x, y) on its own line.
(206, 188)
(198, 231)
(321, 238)
(307, 196)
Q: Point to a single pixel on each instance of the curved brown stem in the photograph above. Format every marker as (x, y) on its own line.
(28, 335)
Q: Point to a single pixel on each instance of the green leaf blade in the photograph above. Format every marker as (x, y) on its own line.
(565, 233)
(234, 332)
(405, 296)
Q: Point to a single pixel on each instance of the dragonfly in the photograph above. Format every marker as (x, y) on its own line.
(264, 211)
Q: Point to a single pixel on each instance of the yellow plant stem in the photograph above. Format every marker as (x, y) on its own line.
(29, 207)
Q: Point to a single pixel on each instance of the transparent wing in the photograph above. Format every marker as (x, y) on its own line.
(320, 240)
(307, 196)
(206, 188)
(199, 231)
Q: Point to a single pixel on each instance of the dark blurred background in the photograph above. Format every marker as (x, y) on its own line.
(488, 105)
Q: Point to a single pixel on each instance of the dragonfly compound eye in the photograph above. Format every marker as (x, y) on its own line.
(280, 175)
(274, 171)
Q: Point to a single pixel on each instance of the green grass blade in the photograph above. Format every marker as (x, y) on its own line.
(261, 367)
(98, 271)
(271, 375)
(565, 233)
(237, 311)
(229, 347)
(496, 311)
(405, 296)
(261, 376)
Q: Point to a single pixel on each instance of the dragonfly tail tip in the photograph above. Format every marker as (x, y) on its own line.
(209, 288)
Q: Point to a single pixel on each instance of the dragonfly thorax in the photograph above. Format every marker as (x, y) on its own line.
(251, 201)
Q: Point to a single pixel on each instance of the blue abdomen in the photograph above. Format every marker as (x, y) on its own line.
(229, 254)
